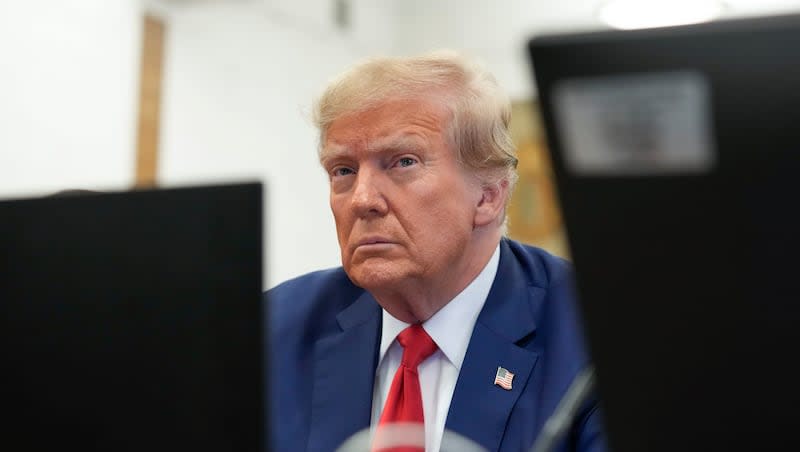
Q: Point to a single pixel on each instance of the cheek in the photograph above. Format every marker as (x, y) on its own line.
(447, 223)
(342, 220)
(453, 208)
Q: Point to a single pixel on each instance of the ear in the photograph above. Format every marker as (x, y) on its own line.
(491, 204)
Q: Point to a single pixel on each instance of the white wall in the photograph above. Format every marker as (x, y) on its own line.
(68, 91)
(239, 82)
(493, 32)
(497, 31)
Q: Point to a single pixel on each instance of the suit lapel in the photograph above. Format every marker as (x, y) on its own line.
(344, 371)
(480, 409)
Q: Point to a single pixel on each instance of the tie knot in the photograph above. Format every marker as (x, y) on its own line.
(417, 345)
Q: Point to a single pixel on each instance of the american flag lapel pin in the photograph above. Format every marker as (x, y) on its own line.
(503, 378)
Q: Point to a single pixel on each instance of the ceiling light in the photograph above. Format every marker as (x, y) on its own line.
(631, 14)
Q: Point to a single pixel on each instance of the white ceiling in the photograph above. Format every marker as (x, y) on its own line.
(481, 23)
(474, 20)
(554, 14)
(493, 30)
(496, 31)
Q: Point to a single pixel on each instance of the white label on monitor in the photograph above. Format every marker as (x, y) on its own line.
(636, 124)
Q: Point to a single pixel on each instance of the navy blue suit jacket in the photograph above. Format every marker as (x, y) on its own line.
(325, 332)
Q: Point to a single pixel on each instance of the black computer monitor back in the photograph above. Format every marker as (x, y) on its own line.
(676, 153)
(131, 321)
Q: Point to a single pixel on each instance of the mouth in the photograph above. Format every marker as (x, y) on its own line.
(369, 242)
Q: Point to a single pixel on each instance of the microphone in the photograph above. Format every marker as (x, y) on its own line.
(562, 417)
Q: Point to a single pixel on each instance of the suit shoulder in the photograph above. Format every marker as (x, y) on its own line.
(545, 269)
(310, 301)
(311, 282)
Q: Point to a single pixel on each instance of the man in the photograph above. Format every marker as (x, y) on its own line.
(434, 318)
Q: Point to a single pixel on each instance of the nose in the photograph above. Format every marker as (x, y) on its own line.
(368, 198)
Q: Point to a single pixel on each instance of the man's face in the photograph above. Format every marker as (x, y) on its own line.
(404, 207)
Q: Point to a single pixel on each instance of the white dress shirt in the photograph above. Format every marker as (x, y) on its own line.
(451, 329)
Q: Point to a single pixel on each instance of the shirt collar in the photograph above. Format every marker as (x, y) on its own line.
(451, 327)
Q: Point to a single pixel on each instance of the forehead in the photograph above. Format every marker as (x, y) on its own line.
(394, 119)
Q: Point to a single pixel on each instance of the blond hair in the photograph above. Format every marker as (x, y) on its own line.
(478, 129)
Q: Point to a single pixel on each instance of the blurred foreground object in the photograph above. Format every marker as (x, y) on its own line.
(132, 321)
(406, 435)
(676, 159)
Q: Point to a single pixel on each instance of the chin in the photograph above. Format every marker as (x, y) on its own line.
(376, 276)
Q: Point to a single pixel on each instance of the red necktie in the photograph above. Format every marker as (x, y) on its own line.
(404, 402)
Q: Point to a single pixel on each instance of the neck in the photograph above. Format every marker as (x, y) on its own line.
(419, 299)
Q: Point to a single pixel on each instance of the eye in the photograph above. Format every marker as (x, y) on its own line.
(406, 162)
(341, 171)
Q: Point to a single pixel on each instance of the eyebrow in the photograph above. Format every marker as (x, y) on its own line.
(410, 141)
(331, 151)
(405, 141)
